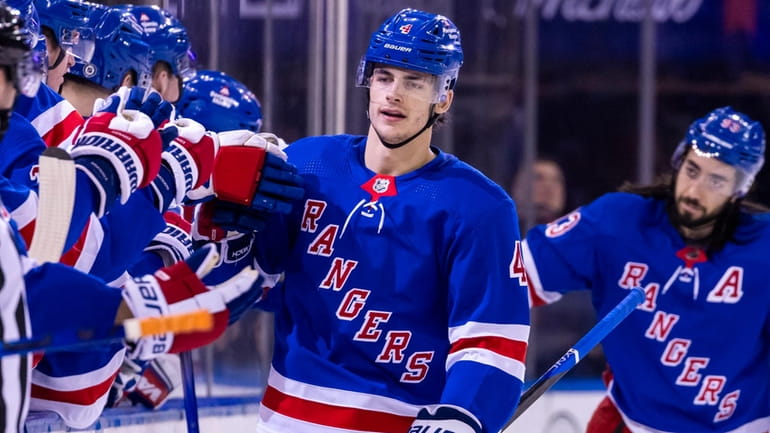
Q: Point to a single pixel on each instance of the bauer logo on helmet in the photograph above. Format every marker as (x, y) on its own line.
(147, 23)
(222, 98)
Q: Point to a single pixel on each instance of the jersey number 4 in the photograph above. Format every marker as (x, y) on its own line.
(516, 269)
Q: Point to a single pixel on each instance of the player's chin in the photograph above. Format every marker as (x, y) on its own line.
(686, 217)
(390, 132)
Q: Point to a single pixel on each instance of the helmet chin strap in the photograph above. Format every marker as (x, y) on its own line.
(428, 124)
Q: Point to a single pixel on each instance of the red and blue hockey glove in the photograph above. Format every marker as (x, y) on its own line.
(189, 158)
(119, 153)
(174, 243)
(252, 179)
(148, 383)
(178, 289)
(445, 419)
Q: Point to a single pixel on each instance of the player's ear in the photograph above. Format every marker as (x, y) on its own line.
(128, 80)
(446, 102)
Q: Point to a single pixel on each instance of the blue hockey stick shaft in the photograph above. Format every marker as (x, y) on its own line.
(578, 351)
(188, 390)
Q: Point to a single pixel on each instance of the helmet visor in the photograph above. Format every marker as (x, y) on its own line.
(717, 184)
(30, 72)
(185, 65)
(385, 81)
(80, 42)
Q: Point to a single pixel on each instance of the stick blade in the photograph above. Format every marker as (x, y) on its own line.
(56, 201)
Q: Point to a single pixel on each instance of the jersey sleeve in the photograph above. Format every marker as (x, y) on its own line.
(74, 384)
(560, 256)
(488, 318)
(53, 117)
(127, 229)
(20, 150)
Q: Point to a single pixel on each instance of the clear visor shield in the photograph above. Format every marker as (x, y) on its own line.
(185, 65)
(387, 82)
(721, 181)
(80, 42)
(30, 72)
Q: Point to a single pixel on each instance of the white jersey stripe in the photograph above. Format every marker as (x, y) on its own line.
(487, 357)
(480, 329)
(534, 278)
(79, 381)
(340, 397)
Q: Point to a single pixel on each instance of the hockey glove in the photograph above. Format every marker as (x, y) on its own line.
(233, 247)
(148, 383)
(178, 289)
(445, 419)
(246, 164)
(174, 243)
(119, 153)
(189, 157)
(140, 99)
(252, 179)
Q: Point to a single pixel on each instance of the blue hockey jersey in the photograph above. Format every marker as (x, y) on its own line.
(694, 356)
(55, 119)
(399, 292)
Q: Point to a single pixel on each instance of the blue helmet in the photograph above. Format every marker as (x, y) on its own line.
(71, 24)
(418, 41)
(732, 138)
(120, 49)
(220, 103)
(167, 37)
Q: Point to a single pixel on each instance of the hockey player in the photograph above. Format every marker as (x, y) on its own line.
(694, 244)
(121, 58)
(172, 57)
(219, 102)
(51, 287)
(18, 72)
(67, 37)
(76, 385)
(404, 304)
(65, 43)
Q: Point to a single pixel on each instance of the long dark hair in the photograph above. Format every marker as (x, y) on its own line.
(726, 222)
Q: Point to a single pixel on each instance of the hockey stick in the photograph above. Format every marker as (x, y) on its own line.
(188, 369)
(56, 199)
(577, 351)
(188, 392)
(131, 330)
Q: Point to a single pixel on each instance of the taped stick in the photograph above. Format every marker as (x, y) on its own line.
(131, 330)
(578, 351)
(56, 201)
